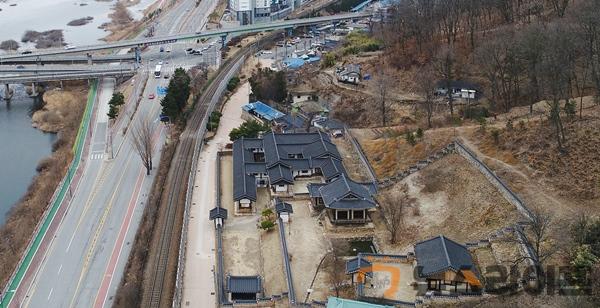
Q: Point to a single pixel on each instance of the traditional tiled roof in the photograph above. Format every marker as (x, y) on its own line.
(281, 207)
(244, 284)
(283, 154)
(343, 193)
(441, 254)
(217, 212)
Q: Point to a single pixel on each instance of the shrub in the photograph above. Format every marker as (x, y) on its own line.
(233, 83)
(267, 213)
(328, 60)
(410, 138)
(213, 121)
(419, 133)
(267, 225)
(496, 136)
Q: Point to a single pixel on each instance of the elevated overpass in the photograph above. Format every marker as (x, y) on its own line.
(12, 69)
(71, 59)
(276, 25)
(79, 75)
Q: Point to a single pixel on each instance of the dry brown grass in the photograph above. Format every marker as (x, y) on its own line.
(24, 216)
(390, 155)
(454, 199)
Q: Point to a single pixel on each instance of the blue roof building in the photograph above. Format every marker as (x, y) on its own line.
(262, 111)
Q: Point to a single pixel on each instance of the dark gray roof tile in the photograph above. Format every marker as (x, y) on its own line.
(440, 254)
(244, 284)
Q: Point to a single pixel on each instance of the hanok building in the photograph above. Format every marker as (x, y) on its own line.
(276, 160)
(446, 266)
(243, 288)
(346, 201)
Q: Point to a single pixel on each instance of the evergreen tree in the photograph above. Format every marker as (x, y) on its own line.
(178, 93)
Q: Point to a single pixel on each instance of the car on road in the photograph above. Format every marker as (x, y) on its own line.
(151, 96)
(161, 49)
(20, 67)
(189, 50)
(166, 76)
(197, 52)
(160, 62)
(69, 47)
(26, 52)
(280, 44)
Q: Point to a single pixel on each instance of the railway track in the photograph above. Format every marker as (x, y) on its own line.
(161, 274)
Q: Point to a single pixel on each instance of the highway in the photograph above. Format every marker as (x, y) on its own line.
(172, 38)
(87, 254)
(71, 59)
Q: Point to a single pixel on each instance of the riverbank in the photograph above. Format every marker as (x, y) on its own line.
(59, 106)
(123, 26)
(25, 215)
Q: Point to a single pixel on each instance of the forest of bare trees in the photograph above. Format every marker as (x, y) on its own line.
(522, 51)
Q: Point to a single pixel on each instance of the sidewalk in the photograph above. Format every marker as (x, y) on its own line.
(198, 280)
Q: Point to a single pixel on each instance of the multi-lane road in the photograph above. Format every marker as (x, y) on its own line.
(192, 36)
(86, 258)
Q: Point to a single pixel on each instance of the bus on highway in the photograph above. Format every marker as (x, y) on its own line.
(157, 71)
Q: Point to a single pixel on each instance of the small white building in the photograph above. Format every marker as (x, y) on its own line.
(349, 74)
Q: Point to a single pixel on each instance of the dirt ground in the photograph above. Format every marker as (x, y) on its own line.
(247, 249)
(306, 245)
(453, 199)
(351, 160)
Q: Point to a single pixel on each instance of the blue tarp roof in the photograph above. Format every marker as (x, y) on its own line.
(263, 110)
(293, 62)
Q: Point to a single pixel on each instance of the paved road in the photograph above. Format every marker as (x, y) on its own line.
(161, 38)
(86, 259)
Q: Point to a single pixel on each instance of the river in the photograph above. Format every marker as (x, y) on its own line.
(22, 146)
(42, 15)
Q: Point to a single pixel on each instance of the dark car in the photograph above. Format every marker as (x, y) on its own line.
(26, 52)
(20, 67)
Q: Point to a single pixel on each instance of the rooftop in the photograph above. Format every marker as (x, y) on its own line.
(263, 110)
(244, 284)
(440, 254)
(283, 154)
(344, 193)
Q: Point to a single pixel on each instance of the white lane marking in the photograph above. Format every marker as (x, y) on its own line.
(96, 155)
(70, 242)
(59, 269)
(50, 293)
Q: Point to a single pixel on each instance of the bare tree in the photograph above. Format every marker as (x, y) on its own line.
(426, 85)
(393, 204)
(445, 65)
(558, 66)
(383, 79)
(538, 237)
(141, 138)
(336, 273)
